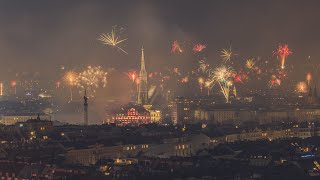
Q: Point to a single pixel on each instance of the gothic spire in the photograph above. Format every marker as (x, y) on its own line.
(143, 84)
(143, 67)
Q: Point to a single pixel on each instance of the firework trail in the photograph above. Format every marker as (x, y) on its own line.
(283, 52)
(175, 48)
(308, 78)
(201, 83)
(70, 78)
(198, 47)
(208, 86)
(58, 84)
(112, 39)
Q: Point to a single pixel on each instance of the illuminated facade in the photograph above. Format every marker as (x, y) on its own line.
(133, 116)
(181, 112)
(227, 116)
(155, 114)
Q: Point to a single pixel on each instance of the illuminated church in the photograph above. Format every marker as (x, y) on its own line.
(137, 114)
(143, 83)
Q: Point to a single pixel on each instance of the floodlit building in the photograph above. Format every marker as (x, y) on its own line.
(236, 116)
(135, 115)
(155, 114)
(182, 147)
(181, 111)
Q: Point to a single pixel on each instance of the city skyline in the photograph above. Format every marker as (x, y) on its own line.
(159, 89)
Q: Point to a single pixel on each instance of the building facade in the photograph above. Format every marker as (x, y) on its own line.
(89, 156)
(181, 111)
(227, 116)
(11, 119)
(133, 116)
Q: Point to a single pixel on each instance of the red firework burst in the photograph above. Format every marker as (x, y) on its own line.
(175, 48)
(283, 52)
(199, 47)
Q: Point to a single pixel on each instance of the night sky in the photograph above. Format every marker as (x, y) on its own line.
(41, 36)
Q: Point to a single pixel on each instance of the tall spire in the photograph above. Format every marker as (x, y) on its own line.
(143, 84)
(85, 108)
(143, 66)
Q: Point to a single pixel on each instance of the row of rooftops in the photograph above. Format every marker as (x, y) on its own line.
(35, 114)
(256, 108)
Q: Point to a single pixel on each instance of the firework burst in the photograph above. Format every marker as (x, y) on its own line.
(198, 47)
(274, 81)
(301, 87)
(203, 66)
(70, 78)
(226, 54)
(250, 63)
(112, 39)
(283, 52)
(185, 80)
(91, 78)
(132, 75)
(222, 76)
(175, 47)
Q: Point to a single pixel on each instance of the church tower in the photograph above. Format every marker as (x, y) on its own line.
(143, 83)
